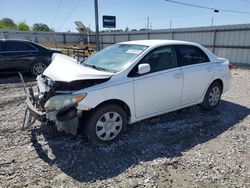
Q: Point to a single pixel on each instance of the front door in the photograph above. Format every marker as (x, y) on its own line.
(161, 88)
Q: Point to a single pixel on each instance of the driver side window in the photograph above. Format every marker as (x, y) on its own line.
(159, 59)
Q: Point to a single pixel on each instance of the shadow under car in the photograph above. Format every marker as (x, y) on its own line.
(167, 136)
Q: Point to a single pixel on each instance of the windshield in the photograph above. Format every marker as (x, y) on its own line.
(116, 57)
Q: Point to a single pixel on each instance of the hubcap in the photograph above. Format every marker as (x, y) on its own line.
(108, 126)
(214, 96)
(38, 68)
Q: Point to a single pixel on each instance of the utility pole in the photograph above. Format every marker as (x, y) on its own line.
(212, 21)
(147, 23)
(170, 24)
(97, 26)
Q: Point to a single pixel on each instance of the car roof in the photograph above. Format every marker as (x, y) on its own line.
(158, 42)
(15, 40)
(38, 46)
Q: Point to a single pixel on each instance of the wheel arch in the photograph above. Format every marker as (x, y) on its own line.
(117, 102)
(40, 60)
(218, 80)
(205, 104)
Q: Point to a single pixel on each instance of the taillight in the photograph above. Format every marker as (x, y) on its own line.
(230, 66)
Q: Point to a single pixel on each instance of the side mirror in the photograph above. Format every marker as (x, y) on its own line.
(143, 68)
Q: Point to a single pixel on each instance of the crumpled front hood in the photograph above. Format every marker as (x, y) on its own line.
(66, 69)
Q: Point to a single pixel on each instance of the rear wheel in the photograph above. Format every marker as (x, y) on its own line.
(105, 124)
(37, 68)
(212, 96)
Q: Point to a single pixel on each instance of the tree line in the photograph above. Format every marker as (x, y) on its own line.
(7, 23)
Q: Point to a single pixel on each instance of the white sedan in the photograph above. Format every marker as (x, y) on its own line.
(125, 83)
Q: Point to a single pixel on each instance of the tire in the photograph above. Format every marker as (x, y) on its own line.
(37, 68)
(212, 96)
(105, 124)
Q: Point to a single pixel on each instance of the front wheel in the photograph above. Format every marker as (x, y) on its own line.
(105, 124)
(212, 96)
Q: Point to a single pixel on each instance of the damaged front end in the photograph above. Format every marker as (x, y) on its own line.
(54, 101)
(53, 98)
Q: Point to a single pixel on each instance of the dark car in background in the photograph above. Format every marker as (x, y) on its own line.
(24, 56)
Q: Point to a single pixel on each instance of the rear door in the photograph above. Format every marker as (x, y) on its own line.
(198, 72)
(17, 55)
(161, 88)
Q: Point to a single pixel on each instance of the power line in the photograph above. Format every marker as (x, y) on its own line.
(192, 5)
(72, 10)
(208, 8)
(57, 10)
(131, 23)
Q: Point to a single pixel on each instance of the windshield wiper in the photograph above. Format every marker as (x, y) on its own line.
(99, 68)
(92, 66)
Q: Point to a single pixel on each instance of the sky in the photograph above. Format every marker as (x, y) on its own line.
(61, 14)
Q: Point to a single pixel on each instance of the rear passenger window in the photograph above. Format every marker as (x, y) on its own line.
(189, 55)
(18, 46)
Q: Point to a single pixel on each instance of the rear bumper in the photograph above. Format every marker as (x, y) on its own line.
(226, 82)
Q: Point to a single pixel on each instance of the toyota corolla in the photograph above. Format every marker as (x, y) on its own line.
(125, 83)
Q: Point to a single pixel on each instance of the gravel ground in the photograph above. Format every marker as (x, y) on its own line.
(187, 148)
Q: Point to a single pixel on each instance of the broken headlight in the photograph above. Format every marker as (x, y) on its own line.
(59, 102)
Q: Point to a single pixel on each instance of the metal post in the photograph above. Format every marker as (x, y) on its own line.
(102, 41)
(214, 40)
(147, 23)
(173, 35)
(97, 26)
(64, 39)
(212, 21)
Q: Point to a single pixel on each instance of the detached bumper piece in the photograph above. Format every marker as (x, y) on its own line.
(65, 119)
(32, 113)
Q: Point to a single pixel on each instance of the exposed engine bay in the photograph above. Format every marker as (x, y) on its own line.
(64, 114)
(48, 88)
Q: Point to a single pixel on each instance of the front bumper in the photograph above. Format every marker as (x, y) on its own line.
(65, 119)
(39, 115)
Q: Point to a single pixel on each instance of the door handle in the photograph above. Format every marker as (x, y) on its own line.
(177, 76)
